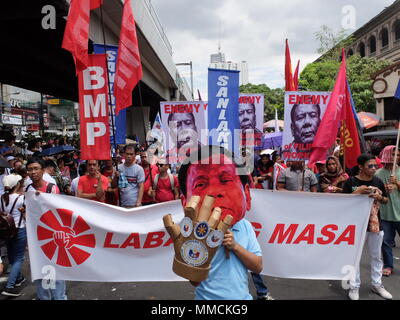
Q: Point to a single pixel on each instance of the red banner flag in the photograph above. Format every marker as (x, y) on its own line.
(94, 4)
(289, 86)
(93, 109)
(76, 34)
(338, 109)
(296, 77)
(129, 68)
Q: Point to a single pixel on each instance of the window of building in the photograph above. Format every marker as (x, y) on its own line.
(350, 52)
(384, 37)
(372, 44)
(361, 49)
(397, 30)
(391, 109)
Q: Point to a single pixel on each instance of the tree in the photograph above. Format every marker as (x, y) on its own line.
(273, 99)
(321, 76)
(331, 44)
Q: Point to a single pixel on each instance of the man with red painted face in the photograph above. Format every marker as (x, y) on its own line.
(211, 171)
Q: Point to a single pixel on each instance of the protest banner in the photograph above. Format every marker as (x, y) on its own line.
(303, 114)
(223, 113)
(119, 120)
(184, 126)
(302, 235)
(93, 109)
(251, 118)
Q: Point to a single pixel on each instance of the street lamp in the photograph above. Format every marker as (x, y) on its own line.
(191, 73)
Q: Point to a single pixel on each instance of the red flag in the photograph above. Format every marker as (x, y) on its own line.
(296, 77)
(338, 109)
(288, 70)
(129, 68)
(94, 4)
(93, 109)
(76, 34)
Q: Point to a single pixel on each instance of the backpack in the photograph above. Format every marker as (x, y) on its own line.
(171, 180)
(8, 230)
(48, 188)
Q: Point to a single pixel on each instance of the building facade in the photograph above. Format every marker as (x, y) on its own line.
(217, 61)
(380, 38)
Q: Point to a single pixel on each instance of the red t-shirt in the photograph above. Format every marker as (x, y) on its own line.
(87, 184)
(164, 191)
(54, 189)
(148, 182)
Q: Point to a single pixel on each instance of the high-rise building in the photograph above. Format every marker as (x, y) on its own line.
(217, 61)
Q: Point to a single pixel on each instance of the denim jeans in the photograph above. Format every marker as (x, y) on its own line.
(261, 288)
(56, 293)
(389, 228)
(373, 240)
(16, 252)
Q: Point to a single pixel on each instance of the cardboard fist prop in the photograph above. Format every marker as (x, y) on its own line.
(197, 238)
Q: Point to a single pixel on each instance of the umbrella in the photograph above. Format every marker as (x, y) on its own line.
(271, 124)
(368, 119)
(271, 140)
(57, 150)
(4, 163)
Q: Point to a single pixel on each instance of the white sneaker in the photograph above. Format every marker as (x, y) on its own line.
(353, 294)
(382, 292)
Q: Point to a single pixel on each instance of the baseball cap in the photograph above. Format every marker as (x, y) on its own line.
(11, 180)
(9, 158)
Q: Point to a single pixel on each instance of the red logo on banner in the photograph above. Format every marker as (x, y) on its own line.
(65, 239)
(93, 110)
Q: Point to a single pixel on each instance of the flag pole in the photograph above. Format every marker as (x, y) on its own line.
(396, 152)
(343, 134)
(111, 112)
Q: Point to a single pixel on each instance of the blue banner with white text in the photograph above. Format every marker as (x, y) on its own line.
(120, 120)
(223, 109)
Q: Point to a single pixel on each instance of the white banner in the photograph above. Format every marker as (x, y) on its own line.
(302, 235)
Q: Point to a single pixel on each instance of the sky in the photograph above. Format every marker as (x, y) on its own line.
(255, 31)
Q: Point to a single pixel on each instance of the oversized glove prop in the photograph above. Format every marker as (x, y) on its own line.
(197, 238)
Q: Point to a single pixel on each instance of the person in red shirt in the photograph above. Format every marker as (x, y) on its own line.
(93, 186)
(150, 171)
(162, 189)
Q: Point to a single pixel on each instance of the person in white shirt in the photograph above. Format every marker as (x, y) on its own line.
(12, 202)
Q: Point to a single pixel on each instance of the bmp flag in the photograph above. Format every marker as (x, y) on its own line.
(223, 104)
(93, 109)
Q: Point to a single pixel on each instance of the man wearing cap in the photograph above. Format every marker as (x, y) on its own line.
(390, 212)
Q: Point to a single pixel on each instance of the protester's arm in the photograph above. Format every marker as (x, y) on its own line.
(140, 195)
(251, 261)
(86, 195)
(280, 186)
(114, 182)
(176, 189)
(100, 193)
(81, 194)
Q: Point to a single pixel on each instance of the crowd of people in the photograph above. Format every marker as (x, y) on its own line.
(131, 179)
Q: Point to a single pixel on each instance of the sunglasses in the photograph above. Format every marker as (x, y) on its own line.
(370, 166)
(161, 164)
